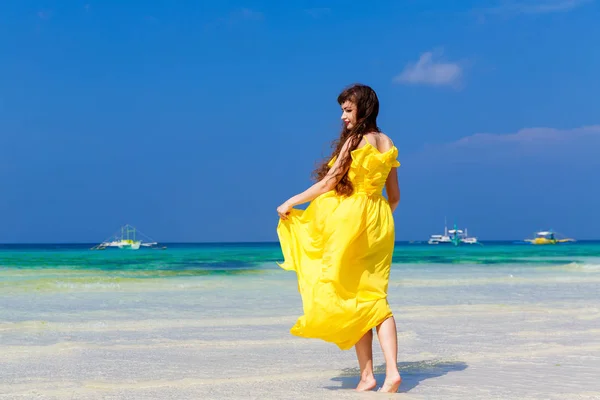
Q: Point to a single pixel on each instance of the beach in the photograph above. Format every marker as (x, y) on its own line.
(497, 321)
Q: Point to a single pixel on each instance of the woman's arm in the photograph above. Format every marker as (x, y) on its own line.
(325, 185)
(392, 189)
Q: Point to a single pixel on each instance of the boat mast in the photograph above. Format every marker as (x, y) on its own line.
(455, 238)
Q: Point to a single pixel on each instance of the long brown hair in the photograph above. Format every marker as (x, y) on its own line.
(367, 109)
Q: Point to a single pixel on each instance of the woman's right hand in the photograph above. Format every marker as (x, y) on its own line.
(284, 210)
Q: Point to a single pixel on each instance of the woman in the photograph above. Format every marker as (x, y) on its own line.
(341, 246)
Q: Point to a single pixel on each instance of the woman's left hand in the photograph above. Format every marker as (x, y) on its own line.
(284, 210)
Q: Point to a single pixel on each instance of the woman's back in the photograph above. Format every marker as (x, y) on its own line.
(371, 164)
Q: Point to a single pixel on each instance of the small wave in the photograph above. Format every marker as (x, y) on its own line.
(91, 285)
(64, 284)
(576, 267)
(508, 279)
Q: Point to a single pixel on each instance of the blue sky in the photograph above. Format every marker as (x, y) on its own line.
(194, 120)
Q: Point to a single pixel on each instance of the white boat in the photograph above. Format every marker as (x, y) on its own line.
(127, 240)
(453, 236)
(469, 240)
(437, 239)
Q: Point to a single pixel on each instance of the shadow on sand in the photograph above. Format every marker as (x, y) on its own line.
(412, 373)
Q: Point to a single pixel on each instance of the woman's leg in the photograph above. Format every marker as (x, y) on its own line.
(364, 353)
(388, 339)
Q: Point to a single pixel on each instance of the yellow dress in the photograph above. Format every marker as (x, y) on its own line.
(341, 249)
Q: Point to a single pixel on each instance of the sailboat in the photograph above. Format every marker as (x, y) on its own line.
(127, 239)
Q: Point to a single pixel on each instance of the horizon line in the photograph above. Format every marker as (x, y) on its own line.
(255, 242)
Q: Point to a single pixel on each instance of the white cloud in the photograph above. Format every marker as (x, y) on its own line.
(530, 136)
(556, 146)
(427, 71)
(535, 7)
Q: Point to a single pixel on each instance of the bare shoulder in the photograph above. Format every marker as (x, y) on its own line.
(380, 140)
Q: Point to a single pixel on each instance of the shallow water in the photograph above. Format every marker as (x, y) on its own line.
(499, 321)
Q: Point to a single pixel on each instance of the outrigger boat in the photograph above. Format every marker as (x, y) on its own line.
(127, 240)
(453, 236)
(547, 237)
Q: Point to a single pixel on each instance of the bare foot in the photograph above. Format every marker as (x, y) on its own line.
(366, 384)
(391, 384)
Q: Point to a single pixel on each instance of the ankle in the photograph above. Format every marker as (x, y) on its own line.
(367, 376)
(392, 372)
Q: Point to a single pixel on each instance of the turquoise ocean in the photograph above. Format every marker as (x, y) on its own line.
(46, 266)
(188, 259)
